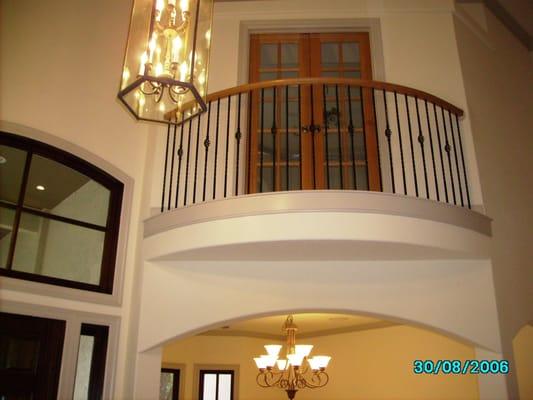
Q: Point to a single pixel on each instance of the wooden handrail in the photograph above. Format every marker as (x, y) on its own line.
(389, 87)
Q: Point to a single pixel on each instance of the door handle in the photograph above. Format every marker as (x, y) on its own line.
(311, 129)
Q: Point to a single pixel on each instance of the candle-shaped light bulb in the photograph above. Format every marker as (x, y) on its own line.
(208, 36)
(144, 60)
(158, 69)
(201, 77)
(159, 9)
(184, 5)
(152, 45)
(177, 44)
(184, 68)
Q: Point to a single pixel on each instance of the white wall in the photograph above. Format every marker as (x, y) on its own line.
(498, 78)
(61, 64)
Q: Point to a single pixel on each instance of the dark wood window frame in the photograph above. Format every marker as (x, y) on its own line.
(217, 372)
(176, 373)
(98, 358)
(111, 229)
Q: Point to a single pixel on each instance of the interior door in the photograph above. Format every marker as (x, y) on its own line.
(30, 357)
(320, 137)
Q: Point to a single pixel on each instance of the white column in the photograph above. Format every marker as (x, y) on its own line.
(148, 375)
(491, 386)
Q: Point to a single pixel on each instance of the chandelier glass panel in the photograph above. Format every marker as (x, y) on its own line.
(164, 78)
(297, 370)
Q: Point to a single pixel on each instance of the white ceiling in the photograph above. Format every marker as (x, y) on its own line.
(309, 325)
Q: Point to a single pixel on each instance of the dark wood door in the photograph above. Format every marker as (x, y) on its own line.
(285, 155)
(30, 356)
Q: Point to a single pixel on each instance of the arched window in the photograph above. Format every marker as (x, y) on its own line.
(59, 216)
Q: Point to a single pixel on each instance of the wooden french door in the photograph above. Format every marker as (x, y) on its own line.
(319, 136)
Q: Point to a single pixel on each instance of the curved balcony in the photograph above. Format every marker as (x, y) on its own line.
(380, 168)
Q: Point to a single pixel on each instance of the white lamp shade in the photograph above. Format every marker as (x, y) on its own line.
(322, 361)
(313, 364)
(295, 359)
(270, 360)
(273, 349)
(303, 349)
(260, 362)
(281, 364)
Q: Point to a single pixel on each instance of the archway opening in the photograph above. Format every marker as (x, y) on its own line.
(371, 358)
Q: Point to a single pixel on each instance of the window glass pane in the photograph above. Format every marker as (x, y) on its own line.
(11, 170)
(18, 353)
(210, 387)
(83, 369)
(166, 386)
(350, 55)
(268, 76)
(224, 387)
(289, 55)
(57, 249)
(269, 55)
(330, 54)
(6, 225)
(362, 178)
(60, 190)
(352, 74)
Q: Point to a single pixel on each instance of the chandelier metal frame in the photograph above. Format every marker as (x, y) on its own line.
(292, 374)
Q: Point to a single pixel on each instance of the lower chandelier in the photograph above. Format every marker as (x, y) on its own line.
(298, 371)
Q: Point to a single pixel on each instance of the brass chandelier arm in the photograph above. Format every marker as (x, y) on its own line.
(321, 378)
(266, 376)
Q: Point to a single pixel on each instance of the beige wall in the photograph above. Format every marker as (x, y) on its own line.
(523, 354)
(498, 77)
(61, 64)
(372, 364)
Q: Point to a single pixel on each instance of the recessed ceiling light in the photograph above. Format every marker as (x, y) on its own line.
(3, 160)
(40, 187)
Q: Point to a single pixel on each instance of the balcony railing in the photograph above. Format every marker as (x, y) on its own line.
(317, 133)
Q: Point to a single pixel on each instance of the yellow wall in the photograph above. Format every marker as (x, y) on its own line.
(523, 354)
(371, 364)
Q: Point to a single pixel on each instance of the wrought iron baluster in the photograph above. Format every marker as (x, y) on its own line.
(364, 135)
(463, 161)
(421, 141)
(456, 159)
(351, 131)
(187, 163)
(313, 134)
(401, 141)
(165, 171)
(207, 143)
(273, 131)
(172, 166)
(262, 139)
(388, 134)
(326, 134)
(180, 155)
(447, 149)
(249, 144)
(238, 136)
(196, 159)
(440, 152)
(227, 148)
(216, 151)
(300, 134)
(411, 142)
(287, 137)
(432, 151)
(339, 135)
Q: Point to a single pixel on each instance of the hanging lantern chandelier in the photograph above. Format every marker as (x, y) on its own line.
(164, 78)
(298, 371)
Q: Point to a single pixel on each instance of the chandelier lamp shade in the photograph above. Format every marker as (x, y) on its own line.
(297, 371)
(164, 77)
